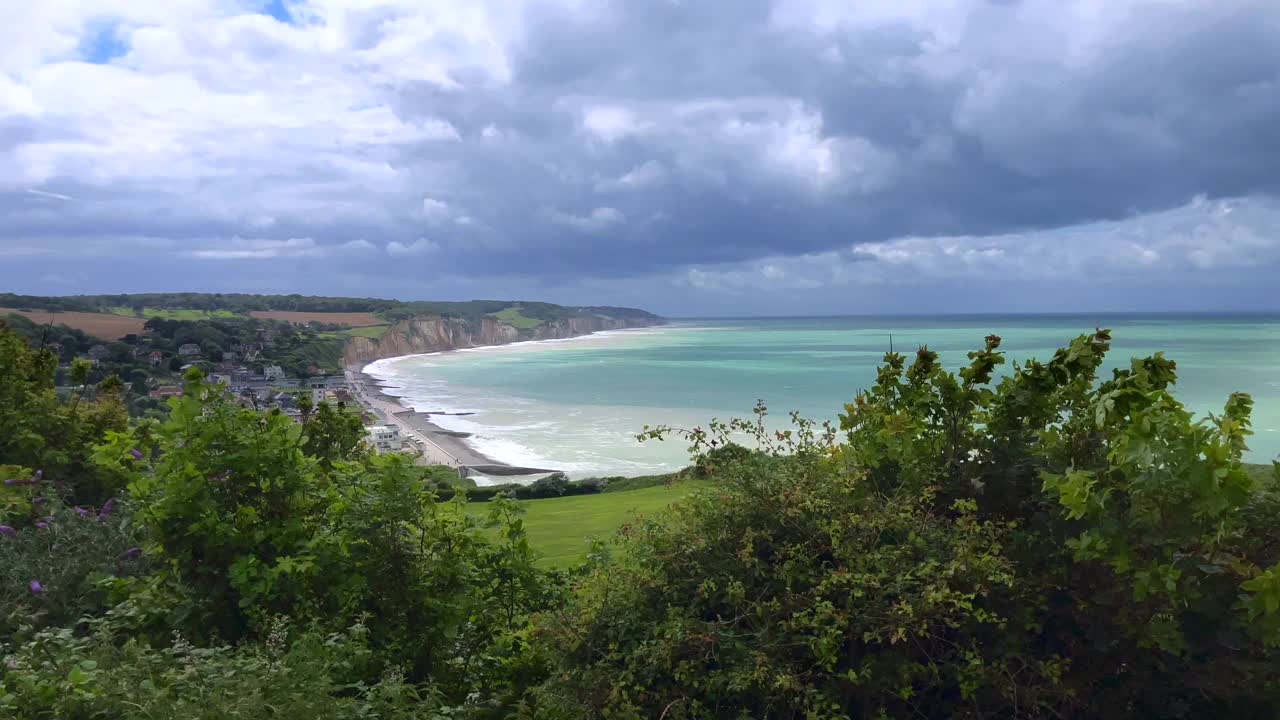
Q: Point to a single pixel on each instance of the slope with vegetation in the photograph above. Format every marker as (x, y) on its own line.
(1054, 545)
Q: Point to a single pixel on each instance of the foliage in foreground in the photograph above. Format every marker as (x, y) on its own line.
(1047, 546)
(226, 521)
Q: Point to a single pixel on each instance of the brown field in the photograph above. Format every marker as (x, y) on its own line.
(99, 325)
(354, 319)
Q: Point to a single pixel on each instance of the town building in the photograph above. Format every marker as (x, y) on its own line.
(165, 391)
(384, 438)
(155, 358)
(189, 349)
(273, 372)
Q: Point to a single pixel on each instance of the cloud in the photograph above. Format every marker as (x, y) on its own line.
(1203, 235)
(421, 246)
(259, 249)
(645, 175)
(757, 133)
(594, 221)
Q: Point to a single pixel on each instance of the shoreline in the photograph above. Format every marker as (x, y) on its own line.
(437, 445)
(440, 446)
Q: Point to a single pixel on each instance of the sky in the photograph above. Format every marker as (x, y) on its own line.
(721, 157)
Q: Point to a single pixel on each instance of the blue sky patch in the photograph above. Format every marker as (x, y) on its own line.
(277, 10)
(103, 43)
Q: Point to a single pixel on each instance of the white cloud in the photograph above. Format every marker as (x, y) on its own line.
(259, 249)
(1212, 238)
(611, 123)
(434, 210)
(594, 221)
(421, 246)
(643, 176)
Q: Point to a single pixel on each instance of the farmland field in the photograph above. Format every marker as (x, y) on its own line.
(176, 313)
(100, 325)
(512, 316)
(355, 319)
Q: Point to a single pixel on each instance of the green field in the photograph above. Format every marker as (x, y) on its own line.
(560, 529)
(175, 314)
(369, 331)
(512, 316)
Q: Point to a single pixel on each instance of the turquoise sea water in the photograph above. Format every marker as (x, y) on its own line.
(577, 404)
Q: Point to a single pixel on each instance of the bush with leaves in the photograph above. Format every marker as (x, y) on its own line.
(1047, 545)
(61, 674)
(52, 571)
(38, 431)
(252, 526)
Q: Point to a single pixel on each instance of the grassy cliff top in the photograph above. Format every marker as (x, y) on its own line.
(206, 305)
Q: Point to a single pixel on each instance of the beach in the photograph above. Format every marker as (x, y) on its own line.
(436, 445)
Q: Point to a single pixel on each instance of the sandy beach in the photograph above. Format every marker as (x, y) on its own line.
(437, 445)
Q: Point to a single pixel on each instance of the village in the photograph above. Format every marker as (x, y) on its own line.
(154, 367)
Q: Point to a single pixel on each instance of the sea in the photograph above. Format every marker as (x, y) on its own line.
(577, 405)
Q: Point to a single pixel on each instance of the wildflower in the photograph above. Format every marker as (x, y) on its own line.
(106, 508)
(42, 525)
(6, 530)
(136, 453)
(39, 474)
(81, 511)
(131, 553)
(36, 587)
(39, 500)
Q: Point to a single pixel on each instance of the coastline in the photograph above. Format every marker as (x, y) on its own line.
(437, 446)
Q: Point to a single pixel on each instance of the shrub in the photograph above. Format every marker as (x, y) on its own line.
(59, 674)
(1045, 546)
(553, 485)
(52, 570)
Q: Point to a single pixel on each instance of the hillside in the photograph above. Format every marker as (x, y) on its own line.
(337, 329)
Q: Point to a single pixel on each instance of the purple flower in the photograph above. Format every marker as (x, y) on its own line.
(106, 508)
(42, 525)
(6, 530)
(81, 511)
(39, 474)
(10, 481)
(39, 500)
(36, 587)
(136, 453)
(131, 553)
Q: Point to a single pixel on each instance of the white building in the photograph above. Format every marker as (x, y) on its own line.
(384, 438)
(188, 349)
(273, 372)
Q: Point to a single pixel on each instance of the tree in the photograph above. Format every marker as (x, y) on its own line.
(1044, 546)
(39, 432)
(332, 434)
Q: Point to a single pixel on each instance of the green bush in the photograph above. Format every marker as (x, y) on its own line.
(1045, 546)
(59, 674)
(253, 527)
(52, 569)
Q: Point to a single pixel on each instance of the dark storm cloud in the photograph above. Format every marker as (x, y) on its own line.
(630, 140)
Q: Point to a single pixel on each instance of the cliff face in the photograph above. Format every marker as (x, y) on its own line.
(435, 333)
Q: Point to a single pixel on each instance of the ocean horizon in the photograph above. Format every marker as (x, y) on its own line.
(576, 404)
